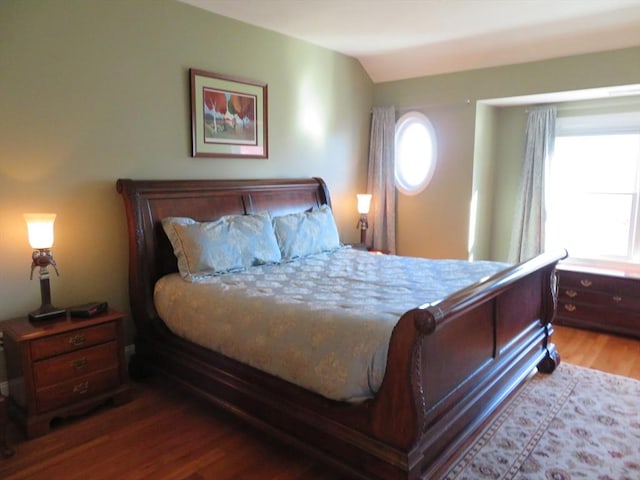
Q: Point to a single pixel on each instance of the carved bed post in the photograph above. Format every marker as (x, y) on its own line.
(407, 407)
(552, 358)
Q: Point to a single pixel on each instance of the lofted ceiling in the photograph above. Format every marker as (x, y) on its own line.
(398, 39)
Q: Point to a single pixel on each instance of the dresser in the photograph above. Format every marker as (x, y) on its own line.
(64, 366)
(600, 299)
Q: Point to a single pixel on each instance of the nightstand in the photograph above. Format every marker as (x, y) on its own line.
(362, 246)
(64, 366)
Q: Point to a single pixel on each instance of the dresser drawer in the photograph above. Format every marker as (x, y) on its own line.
(75, 364)
(592, 297)
(599, 317)
(77, 389)
(73, 340)
(604, 283)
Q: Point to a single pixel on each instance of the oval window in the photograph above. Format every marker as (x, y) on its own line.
(415, 152)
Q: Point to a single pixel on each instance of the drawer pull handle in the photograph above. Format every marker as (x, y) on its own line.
(571, 293)
(79, 363)
(570, 307)
(81, 388)
(585, 282)
(617, 298)
(77, 340)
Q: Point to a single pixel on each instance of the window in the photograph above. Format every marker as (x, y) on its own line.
(593, 190)
(415, 155)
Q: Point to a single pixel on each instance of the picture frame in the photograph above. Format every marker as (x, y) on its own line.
(228, 116)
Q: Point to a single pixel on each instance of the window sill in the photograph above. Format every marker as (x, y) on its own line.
(619, 269)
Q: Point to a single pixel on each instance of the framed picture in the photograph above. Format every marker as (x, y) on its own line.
(228, 116)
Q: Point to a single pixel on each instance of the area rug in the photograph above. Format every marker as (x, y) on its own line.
(576, 423)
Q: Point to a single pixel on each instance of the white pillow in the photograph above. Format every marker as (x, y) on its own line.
(306, 233)
(233, 242)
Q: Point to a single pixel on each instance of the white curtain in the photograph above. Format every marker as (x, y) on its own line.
(527, 237)
(380, 183)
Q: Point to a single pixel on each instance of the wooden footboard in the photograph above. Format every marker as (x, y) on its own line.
(465, 355)
(449, 366)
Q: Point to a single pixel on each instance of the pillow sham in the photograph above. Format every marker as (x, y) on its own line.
(233, 242)
(306, 233)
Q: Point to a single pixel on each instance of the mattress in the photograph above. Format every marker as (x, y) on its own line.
(322, 322)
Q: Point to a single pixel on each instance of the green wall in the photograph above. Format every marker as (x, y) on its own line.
(435, 223)
(483, 191)
(95, 90)
(510, 124)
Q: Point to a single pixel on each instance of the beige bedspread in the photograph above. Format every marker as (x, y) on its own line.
(322, 322)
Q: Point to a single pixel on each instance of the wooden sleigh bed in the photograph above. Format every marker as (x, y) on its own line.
(448, 368)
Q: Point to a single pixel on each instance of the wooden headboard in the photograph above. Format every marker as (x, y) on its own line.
(147, 202)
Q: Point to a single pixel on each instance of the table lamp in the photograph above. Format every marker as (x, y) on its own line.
(364, 203)
(40, 228)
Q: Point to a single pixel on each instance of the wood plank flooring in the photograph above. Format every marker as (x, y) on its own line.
(163, 434)
(608, 353)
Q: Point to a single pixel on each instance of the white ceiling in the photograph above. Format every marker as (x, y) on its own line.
(397, 39)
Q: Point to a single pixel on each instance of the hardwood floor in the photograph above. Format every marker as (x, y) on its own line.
(165, 435)
(608, 353)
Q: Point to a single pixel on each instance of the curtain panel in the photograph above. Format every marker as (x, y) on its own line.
(527, 237)
(380, 182)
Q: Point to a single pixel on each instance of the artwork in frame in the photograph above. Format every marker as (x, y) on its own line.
(228, 116)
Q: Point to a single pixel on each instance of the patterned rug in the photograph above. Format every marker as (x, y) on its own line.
(577, 423)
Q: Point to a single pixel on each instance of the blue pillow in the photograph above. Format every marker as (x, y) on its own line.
(306, 233)
(231, 243)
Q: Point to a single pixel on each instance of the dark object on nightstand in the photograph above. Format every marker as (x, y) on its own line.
(88, 310)
(4, 417)
(64, 366)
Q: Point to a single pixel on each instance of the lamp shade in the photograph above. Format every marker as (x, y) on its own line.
(364, 202)
(40, 228)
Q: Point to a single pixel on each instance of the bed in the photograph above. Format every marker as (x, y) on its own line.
(449, 363)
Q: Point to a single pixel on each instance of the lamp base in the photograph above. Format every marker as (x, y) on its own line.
(45, 312)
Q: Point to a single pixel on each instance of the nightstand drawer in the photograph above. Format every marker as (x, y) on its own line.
(73, 340)
(77, 389)
(75, 364)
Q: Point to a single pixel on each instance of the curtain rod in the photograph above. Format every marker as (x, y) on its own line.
(431, 105)
(599, 104)
(593, 103)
